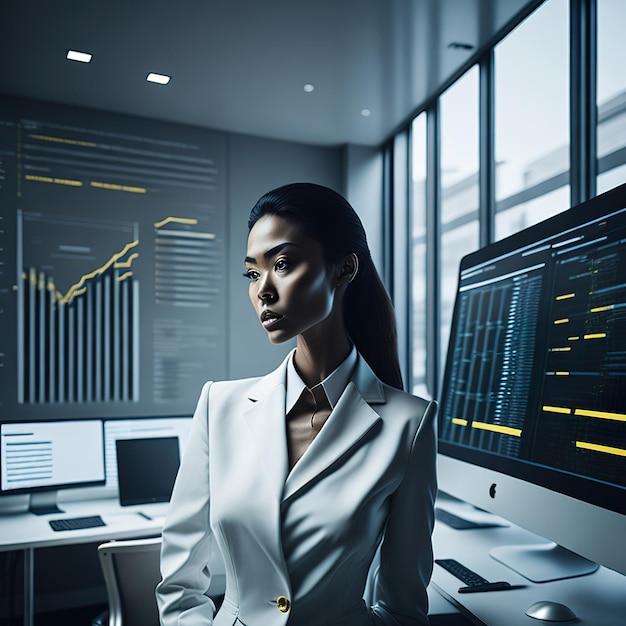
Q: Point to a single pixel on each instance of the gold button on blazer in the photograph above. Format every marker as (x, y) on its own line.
(302, 541)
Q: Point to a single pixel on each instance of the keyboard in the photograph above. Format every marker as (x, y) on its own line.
(473, 581)
(77, 523)
(464, 574)
(460, 523)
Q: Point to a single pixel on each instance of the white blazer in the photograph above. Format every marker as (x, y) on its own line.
(298, 545)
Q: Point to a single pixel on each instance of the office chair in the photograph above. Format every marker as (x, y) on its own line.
(131, 573)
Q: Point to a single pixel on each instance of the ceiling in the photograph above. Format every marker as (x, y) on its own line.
(241, 65)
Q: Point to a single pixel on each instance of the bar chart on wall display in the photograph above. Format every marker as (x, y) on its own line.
(112, 285)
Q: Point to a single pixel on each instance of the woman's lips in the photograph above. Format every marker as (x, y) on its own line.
(269, 319)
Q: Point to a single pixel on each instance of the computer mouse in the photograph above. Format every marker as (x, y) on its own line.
(549, 611)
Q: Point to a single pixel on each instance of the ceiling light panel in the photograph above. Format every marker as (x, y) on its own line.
(161, 79)
(76, 55)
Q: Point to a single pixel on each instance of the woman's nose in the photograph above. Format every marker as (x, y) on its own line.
(266, 292)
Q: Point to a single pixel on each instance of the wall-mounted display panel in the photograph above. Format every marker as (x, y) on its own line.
(112, 277)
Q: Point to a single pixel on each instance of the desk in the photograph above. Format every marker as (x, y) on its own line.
(597, 599)
(27, 532)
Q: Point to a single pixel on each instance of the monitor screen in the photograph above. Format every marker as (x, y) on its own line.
(146, 469)
(535, 380)
(46, 456)
(140, 428)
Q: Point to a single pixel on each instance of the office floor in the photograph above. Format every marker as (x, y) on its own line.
(76, 617)
(85, 616)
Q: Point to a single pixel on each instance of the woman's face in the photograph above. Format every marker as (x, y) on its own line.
(291, 288)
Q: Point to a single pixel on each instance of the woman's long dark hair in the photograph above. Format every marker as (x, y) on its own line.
(327, 217)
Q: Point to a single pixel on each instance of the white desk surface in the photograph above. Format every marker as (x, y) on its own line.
(598, 599)
(23, 530)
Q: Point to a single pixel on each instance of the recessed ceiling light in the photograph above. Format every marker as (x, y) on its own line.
(309, 87)
(75, 55)
(161, 79)
(365, 112)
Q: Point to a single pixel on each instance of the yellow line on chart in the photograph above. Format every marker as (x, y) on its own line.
(177, 220)
(563, 320)
(597, 309)
(566, 296)
(458, 421)
(565, 349)
(595, 336)
(73, 142)
(556, 409)
(124, 276)
(128, 262)
(57, 181)
(496, 428)
(115, 187)
(605, 415)
(596, 447)
(74, 289)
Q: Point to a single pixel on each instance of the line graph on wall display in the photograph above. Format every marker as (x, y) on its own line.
(78, 309)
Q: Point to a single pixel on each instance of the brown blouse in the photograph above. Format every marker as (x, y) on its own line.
(305, 420)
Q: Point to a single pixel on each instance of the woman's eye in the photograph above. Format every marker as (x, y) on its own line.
(251, 275)
(281, 265)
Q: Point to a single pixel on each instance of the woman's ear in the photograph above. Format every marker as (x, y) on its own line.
(348, 269)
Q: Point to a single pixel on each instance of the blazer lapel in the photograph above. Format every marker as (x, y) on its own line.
(266, 420)
(352, 418)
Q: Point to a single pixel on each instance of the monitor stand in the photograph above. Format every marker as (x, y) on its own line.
(44, 503)
(541, 563)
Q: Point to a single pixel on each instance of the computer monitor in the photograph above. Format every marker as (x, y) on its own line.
(177, 426)
(532, 419)
(40, 458)
(146, 469)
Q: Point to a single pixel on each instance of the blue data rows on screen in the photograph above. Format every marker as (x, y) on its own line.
(28, 461)
(493, 360)
(50, 454)
(585, 373)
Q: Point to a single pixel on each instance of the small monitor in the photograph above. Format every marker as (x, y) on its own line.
(146, 469)
(41, 457)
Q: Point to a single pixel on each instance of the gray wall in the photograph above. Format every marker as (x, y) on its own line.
(363, 187)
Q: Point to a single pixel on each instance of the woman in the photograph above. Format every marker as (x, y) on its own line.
(298, 477)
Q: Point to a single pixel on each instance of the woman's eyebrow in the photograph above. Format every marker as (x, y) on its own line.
(271, 252)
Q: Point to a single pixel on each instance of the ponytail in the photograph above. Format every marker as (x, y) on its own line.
(327, 217)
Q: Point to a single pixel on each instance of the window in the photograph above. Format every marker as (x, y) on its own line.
(532, 120)
(459, 188)
(531, 169)
(611, 94)
(418, 383)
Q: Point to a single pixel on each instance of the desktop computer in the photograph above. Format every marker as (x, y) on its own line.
(532, 419)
